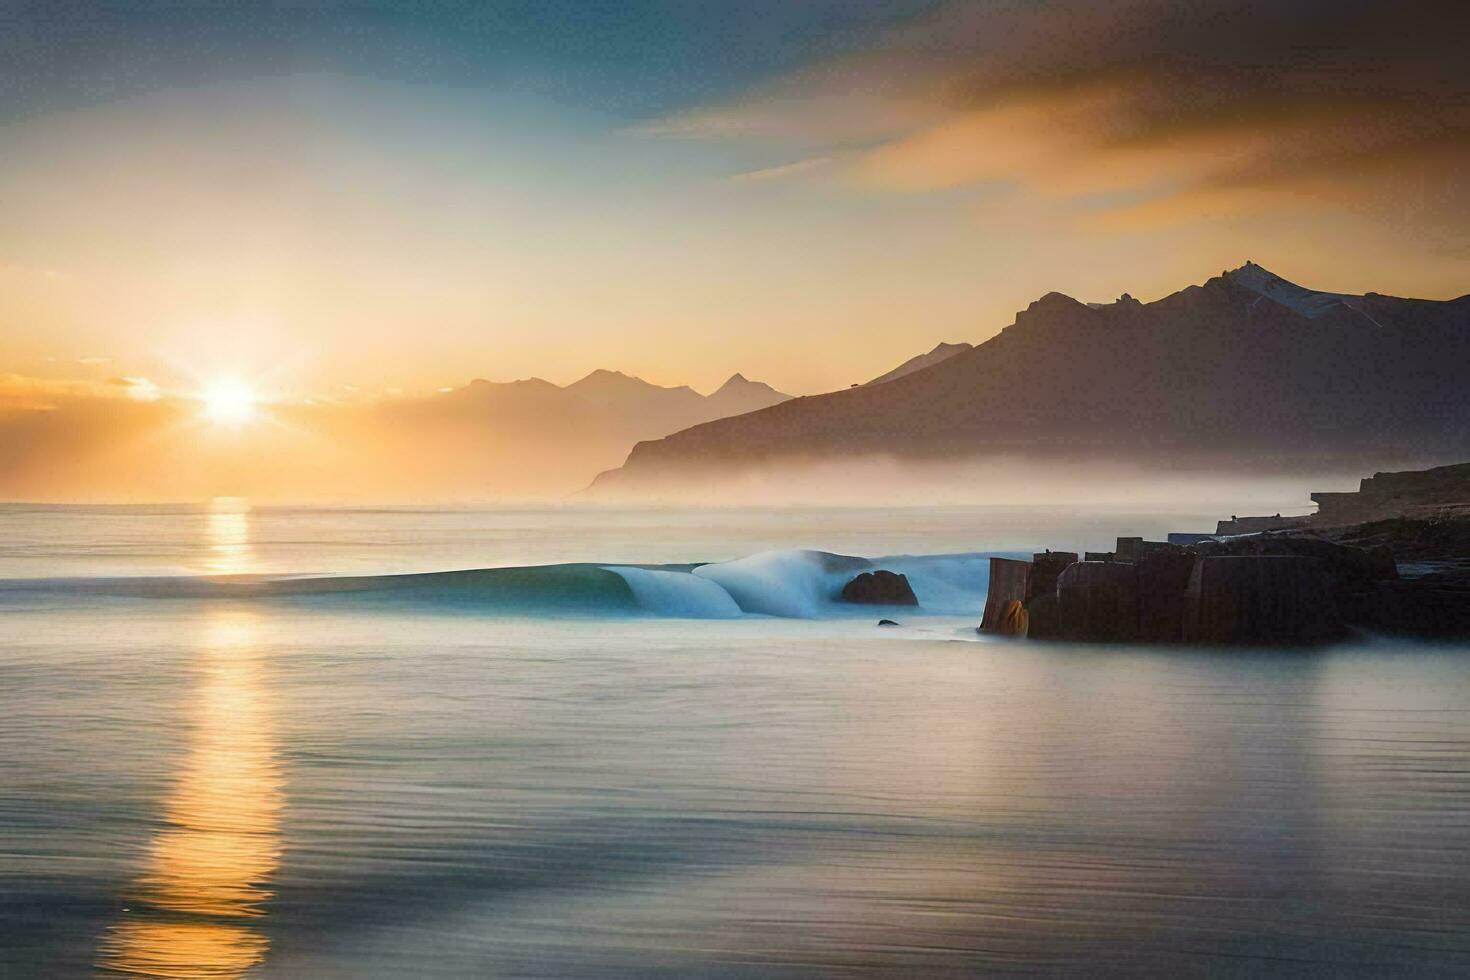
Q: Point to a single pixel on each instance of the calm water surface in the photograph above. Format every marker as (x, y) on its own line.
(307, 787)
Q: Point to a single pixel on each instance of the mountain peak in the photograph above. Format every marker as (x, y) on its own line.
(740, 394)
(738, 383)
(1310, 303)
(603, 374)
(1052, 304)
(1256, 277)
(1054, 309)
(604, 380)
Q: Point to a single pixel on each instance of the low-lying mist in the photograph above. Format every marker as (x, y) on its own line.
(112, 450)
(1216, 486)
(83, 446)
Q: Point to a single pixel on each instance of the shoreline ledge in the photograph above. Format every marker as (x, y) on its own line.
(1297, 587)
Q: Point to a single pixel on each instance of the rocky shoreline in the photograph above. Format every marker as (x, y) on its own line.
(1297, 581)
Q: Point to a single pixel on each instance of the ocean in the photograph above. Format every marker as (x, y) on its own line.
(580, 741)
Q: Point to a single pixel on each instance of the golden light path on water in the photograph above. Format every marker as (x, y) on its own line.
(227, 536)
(195, 908)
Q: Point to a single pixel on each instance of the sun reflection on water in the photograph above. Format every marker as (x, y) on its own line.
(196, 905)
(227, 536)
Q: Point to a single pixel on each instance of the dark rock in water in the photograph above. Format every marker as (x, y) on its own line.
(1009, 580)
(1098, 601)
(1261, 599)
(887, 622)
(880, 588)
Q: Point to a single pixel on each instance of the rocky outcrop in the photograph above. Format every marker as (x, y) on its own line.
(1435, 605)
(1010, 580)
(1283, 583)
(1046, 568)
(880, 588)
(1263, 600)
(1289, 588)
(1259, 525)
(1440, 492)
(1409, 539)
(1097, 601)
(1430, 596)
(1163, 581)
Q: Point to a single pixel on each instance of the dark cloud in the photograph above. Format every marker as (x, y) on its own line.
(1396, 72)
(1353, 105)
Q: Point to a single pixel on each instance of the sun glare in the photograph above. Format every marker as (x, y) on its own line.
(229, 403)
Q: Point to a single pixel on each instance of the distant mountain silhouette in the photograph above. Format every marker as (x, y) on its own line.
(1248, 367)
(739, 395)
(921, 361)
(517, 440)
(605, 406)
(527, 438)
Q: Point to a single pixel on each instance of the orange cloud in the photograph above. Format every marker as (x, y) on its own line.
(1141, 111)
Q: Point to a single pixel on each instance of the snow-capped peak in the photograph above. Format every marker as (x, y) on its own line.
(1310, 303)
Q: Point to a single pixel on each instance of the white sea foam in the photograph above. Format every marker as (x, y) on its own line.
(795, 584)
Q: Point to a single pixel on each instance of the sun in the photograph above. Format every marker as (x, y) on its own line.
(229, 403)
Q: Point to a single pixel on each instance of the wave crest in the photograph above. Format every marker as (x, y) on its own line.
(797, 584)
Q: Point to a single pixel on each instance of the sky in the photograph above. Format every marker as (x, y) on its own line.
(341, 201)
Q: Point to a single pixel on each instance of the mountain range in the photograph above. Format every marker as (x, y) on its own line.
(526, 439)
(1247, 368)
(603, 405)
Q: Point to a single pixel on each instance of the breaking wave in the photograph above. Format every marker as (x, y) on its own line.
(790, 584)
